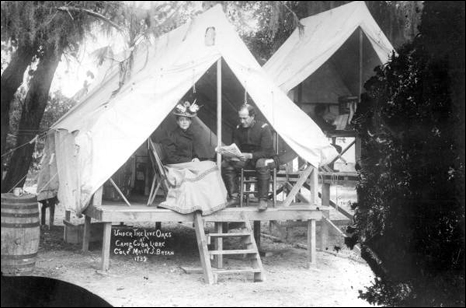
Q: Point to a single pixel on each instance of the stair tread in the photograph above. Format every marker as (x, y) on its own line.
(228, 234)
(233, 252)
(236, 270)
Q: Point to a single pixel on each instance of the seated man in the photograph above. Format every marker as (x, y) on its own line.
(254, 139)
(323, 118)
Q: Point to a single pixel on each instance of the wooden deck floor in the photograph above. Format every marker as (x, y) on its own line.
(143, 213)
(110, 212)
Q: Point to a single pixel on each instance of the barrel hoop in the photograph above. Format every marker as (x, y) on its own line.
(19, 257)
(20, 215)
(20, 206)
(31, 225)
(18, 199)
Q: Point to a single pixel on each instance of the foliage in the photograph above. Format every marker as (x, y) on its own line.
(263, 25)
(57, 106)
(410, 212)
(55, 23)
(38, 32)
(276, 20)
(399, 20)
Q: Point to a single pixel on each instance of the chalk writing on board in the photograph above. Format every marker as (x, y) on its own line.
(140, 243)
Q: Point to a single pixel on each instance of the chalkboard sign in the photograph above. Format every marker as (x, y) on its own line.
(140, 243)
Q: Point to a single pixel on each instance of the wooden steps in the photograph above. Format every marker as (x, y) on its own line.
(226, 234)
(231, 252)
(236, 270)
(247, 239)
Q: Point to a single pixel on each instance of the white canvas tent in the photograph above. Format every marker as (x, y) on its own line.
(334, 55)
(95, 139)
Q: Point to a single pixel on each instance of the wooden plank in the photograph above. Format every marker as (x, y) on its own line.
(257, 233)
(142, 213)
(106, 246)
(130, 216)
(324, 231)
(232, 252)
(270, 214)
(119, 191)
(142, 208)
(94, 212)
(202, 246)
(299, 206)
(67, 218)
(340, 209)
(332, 226)
(324, 227)
(95, 202)
(151, 192)
(251, 245)
(97, 197)
(314, 183)
(311, 243)
(339, 181)
(299, 195)
(219, 111)
(339, 156)
(293, 224)
(237, 271)
(122, 213)
(325, 196)
(302, 179)
(227, 234)
(87, 233)
(339, 173)
(361, 57)
(219, 245)
(332, 204)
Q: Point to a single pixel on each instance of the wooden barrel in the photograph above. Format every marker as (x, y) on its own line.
(20, 234)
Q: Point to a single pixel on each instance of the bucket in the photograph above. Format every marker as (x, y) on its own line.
(20, 234)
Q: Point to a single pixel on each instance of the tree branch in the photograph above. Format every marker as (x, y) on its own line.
(92, 13)
(295, 17)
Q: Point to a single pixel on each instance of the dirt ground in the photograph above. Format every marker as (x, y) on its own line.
(159, 280)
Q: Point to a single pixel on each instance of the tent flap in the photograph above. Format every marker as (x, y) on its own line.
(96, 137)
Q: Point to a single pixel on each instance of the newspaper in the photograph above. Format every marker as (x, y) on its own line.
(232, 151)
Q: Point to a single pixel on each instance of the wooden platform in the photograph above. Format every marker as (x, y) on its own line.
(114, 213)
(143, 213)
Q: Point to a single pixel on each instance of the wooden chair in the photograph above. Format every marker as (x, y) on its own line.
(248, 177)
(157, 155)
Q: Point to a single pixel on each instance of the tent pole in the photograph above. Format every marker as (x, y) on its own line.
(361, 37)
(219, 110)
(218, 244)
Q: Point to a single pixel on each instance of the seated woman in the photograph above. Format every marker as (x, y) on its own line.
(197, 185)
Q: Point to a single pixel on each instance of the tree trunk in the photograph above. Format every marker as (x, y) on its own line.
(12, 78)
(31, 116)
